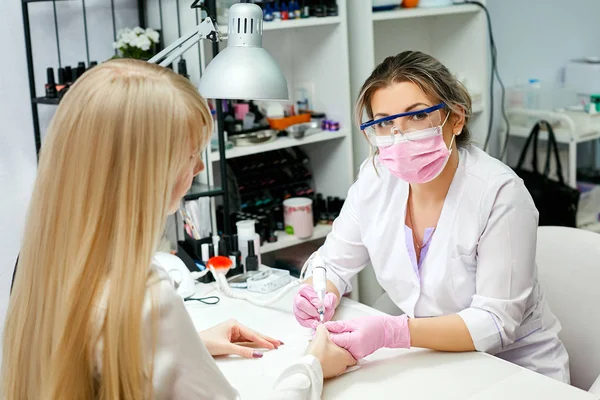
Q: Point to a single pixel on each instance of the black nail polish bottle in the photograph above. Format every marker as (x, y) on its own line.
(251, 259)
(51, 92)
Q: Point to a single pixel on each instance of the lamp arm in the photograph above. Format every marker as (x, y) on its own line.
(207, 29)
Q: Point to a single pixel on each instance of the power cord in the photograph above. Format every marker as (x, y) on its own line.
(494, 74)
(223, 286)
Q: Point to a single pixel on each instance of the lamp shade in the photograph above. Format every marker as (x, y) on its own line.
(244, 70)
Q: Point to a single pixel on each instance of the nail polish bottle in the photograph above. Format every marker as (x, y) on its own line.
(284, 12)
(268, 13)
(337, 207)
(332, 9)
(322, 209)
(305, 10)
(292, 10)
(297, 10)
(51, 92)
(68, 75)
(320, 10)
(271, 237)
(80, 68)
(276, 11)
(278, 213)
(251, 259)
(223, 246)
(62, 82)
(74, 75)
(236, 255)
(330, 206)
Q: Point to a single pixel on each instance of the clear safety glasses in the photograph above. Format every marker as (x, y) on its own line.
(384, 132)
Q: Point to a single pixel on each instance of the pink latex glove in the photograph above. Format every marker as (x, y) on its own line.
(364, 335)
(306, 304)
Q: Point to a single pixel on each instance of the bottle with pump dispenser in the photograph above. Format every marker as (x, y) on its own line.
(246, 230)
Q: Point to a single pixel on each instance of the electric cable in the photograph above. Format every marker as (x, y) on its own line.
(494, 74)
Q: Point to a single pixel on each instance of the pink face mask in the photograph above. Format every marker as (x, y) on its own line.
(419, 159)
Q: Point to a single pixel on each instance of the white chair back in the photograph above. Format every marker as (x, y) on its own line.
(568, 262)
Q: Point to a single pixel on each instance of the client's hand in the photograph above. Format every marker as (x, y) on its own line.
(306, 303)
(334, 360)
(364, 335)
(231, 337)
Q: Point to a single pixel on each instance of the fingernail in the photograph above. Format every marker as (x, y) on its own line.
(280, 342)
(257, 354)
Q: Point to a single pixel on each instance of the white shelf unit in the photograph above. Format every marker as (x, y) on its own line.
(294, 23)
(281, 143)
(312, 53)
(456, 35)
(284, 240)
(570, 128)
(418, 12)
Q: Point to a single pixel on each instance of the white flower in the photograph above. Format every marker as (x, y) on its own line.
(152, 35)
(142, 42)
(119, 44)
(128, 38)
(138, 31)
(123, 32)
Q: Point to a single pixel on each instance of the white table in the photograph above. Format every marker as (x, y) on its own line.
(387, 374)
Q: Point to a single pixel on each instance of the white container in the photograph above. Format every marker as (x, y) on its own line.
(534, 94)
(434, 3)
(583, 76)
(298, 217)
(246, 231)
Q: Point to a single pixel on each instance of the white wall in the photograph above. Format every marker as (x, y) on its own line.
(536, 38)
(17, 150)
(17, 154)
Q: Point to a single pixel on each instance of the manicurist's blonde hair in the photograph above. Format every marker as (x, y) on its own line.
(108, 165)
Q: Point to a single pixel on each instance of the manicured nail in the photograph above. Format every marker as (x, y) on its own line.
(257, 354)
(280, 342)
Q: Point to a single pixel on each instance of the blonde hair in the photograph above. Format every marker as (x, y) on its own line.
(112, 155)
(430, 75)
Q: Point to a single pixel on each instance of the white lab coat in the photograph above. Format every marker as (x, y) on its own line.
(480, 262)
(183, 367)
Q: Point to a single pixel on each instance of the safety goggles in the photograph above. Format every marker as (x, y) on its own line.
(384, 132)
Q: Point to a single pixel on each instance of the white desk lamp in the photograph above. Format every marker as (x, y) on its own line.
(244, 70)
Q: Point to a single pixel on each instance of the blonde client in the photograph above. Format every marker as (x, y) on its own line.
(90, 316)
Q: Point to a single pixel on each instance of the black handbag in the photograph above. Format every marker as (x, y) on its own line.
(556, 201)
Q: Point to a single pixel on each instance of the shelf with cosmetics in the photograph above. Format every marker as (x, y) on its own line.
(456, 35)
(48, 71)
(320, 98)
(54, 79)
(293, 24)
(264, 182)
(281, 143)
